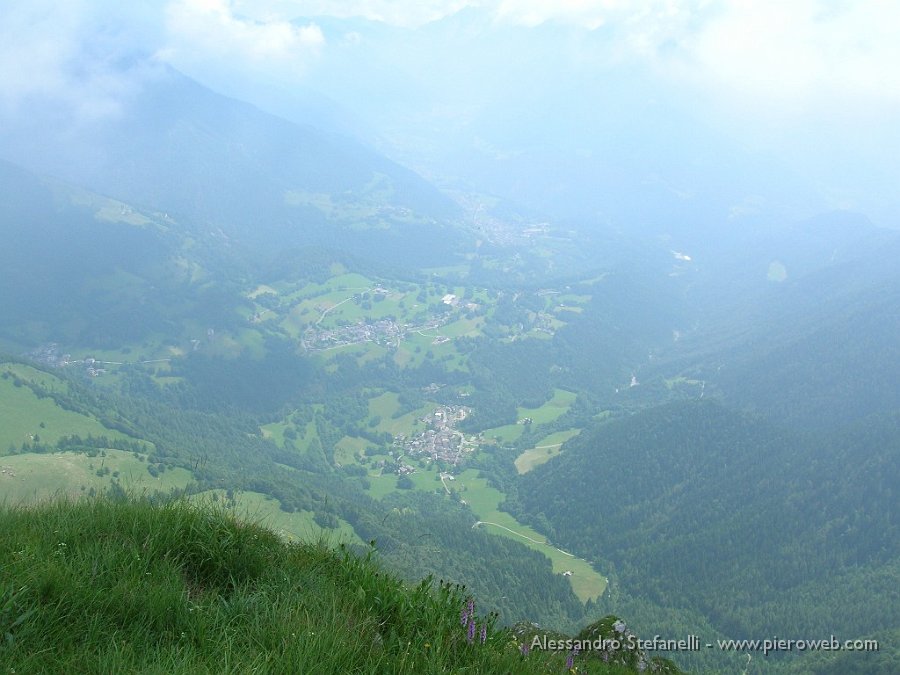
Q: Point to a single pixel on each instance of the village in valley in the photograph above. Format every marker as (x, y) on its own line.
(51, 356)
(385, 332)
(440, 442)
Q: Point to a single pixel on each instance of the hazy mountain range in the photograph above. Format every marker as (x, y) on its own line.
(660, 338)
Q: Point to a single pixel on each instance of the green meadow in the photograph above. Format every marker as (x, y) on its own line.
(275, 431)
(557, 406)
(31, 477)
(381, 485)
(39, 377)
(544, 450)
(484, 500)
(263, 510)
(348, 447)
(508, 433)
(303, 433)
(348, 299)
(385, 406)
(25, 418)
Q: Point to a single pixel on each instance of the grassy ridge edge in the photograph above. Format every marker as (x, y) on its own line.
(123, 585)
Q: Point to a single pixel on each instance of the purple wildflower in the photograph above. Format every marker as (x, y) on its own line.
(471, 608)
(570, 661)
(483, 633)
(524, 648)
(471, 635)
(463, 617)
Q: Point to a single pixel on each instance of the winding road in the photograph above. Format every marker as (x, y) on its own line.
(519, 534)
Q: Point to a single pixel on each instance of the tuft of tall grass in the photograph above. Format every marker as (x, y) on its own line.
(119, 586)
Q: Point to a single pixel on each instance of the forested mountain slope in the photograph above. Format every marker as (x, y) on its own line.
(816, 350)
(221, 165)
(703, 508)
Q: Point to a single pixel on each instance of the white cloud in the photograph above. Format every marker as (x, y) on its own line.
(776, 59)
(84, 59)
(797, 54)
(588, 13)
(24, 39)
(203, 31)
(66, 53)
(787, 52)
(406, 13)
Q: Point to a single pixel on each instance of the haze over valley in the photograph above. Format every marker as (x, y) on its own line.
(592, 309)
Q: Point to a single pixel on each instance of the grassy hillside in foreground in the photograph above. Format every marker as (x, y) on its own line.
(122, 586)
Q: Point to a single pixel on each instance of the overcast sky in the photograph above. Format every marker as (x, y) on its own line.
(803, 72)
(788, 53)
(782, 55)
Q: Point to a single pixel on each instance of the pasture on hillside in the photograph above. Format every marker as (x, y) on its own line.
(30, 477)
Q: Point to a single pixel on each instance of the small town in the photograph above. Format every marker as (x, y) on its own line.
(384, 332)
(441, 441)
(49, 355)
